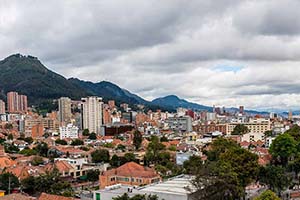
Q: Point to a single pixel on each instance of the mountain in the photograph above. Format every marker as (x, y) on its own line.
(108, 91)
(174, 102)
(27, 75)
(249, 112)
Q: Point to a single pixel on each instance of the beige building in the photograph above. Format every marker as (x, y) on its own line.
(259, 125)
(92, 113)
(64, 110)
(2, 107)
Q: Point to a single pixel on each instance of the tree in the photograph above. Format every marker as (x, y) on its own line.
(294, 131)
(37, 160)
(137, 139)
(153, 149)
(115, 161)
(29, 140)
(77, 142)
(136, 197)
(267, 195)
(42, 149)
(283, 148)
(7, 178)
(28, 185)
(99, 156)
(10, 137)
(11, 148)
(242, 162)
(227, 172)
(164, 139)
(274, 177)
(28, 152)
(268, 133)
(219, 146)
(86, 132)
(217, 180)
(61, 142)
(193, 164)
(50, 182)
(93, 136)
(240, 129)
(8, 126)
(172, 148)
(129, 157)
(93, 175)
(121, 147)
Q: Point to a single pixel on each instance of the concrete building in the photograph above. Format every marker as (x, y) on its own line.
(92, 114)
(16, 103)
(64, 110)
(253, 137)
(2, 107)
(180, 124)
(172, 189)
(33, 127)
(68, 131)
(259, 125)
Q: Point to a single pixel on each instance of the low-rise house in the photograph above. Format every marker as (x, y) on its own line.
(130, 173)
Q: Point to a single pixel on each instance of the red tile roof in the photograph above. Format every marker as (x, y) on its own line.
(45, 196)
(132, 169)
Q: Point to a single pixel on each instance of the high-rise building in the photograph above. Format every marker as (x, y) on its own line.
(64, 110)
(16, 103)
(241, 110)
(23, 103)
(2, 107)
(92, 114)
(290, 117)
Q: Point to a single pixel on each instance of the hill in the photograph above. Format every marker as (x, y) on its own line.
(27, 75)
(108, 91)
(174, 102)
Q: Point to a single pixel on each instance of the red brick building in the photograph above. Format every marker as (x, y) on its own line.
(129, 174)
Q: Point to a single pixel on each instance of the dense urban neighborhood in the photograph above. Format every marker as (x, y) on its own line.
(92, 149)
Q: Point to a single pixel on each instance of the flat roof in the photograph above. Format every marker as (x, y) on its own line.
(177, 185)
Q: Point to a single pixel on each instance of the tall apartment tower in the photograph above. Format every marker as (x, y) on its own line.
(91, 113)
(2, 107)
(16, 103)
(64, 110)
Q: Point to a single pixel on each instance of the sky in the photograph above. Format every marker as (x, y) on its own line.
(223, 53)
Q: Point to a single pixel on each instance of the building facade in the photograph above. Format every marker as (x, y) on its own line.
(180, 124)
(260, 125)
(2, 107)
(68, 131)
(92, 114)
(64, 110)
(16, 103)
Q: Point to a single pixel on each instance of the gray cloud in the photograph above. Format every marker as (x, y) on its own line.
(168, 47)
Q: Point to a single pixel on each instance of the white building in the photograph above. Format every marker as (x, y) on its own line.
(68, 131)
(92, 114)
(2, 107)
(253, 137)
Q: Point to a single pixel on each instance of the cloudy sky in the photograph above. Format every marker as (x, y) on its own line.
(225, 53)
